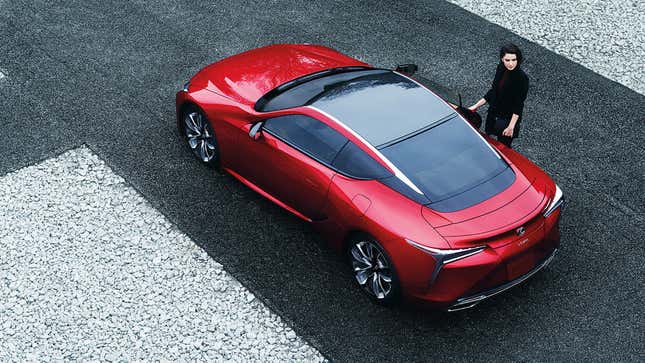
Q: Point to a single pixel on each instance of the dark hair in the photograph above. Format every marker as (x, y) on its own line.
(511, 48)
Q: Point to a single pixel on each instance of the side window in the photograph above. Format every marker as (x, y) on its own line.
(308, 134)
(356, 163)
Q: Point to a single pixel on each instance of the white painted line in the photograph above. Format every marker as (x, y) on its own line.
(90, 271)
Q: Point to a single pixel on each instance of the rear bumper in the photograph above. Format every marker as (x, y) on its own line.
(472, 300)
(464, 283)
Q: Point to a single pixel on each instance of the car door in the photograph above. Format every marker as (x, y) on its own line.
(290, 162)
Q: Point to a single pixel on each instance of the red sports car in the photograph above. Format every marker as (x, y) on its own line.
(425, 206)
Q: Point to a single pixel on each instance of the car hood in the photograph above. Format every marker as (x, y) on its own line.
(514, 207)
(247, 76)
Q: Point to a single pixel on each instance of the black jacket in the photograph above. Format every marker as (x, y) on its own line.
(506, 100)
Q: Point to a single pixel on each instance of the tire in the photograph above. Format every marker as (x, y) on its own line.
(373, 270)
(200, 137)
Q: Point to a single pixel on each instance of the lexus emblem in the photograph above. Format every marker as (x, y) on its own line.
(520, 231)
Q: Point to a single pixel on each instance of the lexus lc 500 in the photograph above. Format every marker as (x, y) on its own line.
(424, 205)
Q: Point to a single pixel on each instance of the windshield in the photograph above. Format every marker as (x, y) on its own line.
(446, 160)
(302, 90)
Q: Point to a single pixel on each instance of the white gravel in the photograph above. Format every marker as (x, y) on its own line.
(606, 36)
(90, 271)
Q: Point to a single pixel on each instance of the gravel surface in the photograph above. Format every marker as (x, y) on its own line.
(105, 73)
(606, 36)
(89, 270)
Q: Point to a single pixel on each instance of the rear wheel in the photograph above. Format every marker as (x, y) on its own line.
(373, 270)
(199, 135)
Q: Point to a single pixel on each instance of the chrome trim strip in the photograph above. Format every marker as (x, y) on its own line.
(468, 302)
(396, 170)
(465, 307)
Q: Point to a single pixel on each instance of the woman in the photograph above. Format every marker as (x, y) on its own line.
(506, 96)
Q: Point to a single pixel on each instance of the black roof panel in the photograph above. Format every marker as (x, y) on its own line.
(382, 106)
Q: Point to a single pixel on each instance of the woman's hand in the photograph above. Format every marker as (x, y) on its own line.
(508, 131)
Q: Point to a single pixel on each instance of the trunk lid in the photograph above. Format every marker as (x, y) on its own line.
(493, 221)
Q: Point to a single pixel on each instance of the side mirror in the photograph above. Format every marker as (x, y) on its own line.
(256, 130)
(407, 69)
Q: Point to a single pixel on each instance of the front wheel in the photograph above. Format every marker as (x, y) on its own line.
(200, 137)
(374, 271)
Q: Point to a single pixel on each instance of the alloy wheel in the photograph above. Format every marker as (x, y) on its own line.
(372, 269)
(200, 137)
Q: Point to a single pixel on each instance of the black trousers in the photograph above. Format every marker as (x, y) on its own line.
(503, 139)
(490, 126)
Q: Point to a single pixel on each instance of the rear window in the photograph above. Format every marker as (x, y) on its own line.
(445, 160)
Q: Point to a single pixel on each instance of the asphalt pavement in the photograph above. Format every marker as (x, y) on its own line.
(104, 74)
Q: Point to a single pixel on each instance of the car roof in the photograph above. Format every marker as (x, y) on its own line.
(383, 107)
